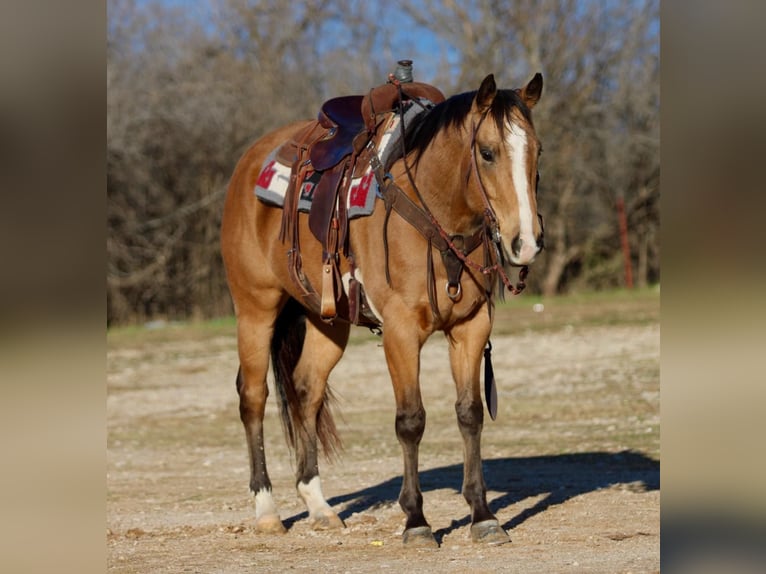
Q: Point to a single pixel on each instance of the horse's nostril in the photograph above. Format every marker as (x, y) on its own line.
(516, 245)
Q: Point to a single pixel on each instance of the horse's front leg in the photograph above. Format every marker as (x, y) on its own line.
(467, 341)
(402, 346)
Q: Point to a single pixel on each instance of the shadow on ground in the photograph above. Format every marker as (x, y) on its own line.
(559, 478)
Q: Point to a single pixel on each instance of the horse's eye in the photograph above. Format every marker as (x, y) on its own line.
(487, 155)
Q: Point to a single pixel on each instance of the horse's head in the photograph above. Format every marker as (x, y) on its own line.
(505, 150)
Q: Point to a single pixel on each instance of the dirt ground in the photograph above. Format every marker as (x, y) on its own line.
(571, 463)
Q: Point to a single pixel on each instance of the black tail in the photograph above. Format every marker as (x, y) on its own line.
(286, 349)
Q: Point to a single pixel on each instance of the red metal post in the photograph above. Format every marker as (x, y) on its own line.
(624, 241)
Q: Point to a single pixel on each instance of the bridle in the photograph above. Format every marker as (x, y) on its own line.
(455, 249)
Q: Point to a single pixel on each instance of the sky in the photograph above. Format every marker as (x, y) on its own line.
(400, 31)
(411, 42)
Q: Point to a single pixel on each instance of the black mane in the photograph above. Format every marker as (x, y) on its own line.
(452, 113)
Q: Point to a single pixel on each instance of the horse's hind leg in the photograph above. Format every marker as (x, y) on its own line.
(254, 331)
(323, 347)
(304, 387)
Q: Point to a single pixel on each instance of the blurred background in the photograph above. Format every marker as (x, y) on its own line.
(191, 84)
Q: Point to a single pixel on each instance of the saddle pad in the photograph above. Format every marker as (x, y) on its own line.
(274, 180)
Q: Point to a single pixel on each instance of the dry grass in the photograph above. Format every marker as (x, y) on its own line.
(571, 462)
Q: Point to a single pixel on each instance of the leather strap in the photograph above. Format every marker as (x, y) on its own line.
(396, 200)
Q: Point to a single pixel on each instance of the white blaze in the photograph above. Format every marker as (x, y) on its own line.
(516, 140)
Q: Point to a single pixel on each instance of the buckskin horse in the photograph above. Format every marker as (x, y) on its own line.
(454, 212)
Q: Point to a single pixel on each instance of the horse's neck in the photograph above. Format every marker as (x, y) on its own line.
(442, 185)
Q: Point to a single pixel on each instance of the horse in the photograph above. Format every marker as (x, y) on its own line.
(463, 184)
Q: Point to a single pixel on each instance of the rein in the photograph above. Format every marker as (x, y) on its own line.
(454, 248)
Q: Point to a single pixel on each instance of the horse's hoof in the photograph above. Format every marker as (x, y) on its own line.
(489, 532)
(419, 537)
(270, 524)
(329, 521)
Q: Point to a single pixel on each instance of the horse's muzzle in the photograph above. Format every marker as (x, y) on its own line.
(523, 252)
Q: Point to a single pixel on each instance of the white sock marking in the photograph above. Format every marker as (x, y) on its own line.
(312, 496)
(264, 504)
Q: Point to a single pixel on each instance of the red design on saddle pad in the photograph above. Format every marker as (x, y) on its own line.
(308, 186)
(274, 179)
(357, 195)
(267, 173)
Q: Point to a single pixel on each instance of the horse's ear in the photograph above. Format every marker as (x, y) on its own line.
(486, 94)
(530, 93)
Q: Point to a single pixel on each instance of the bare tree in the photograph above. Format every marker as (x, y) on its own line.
(599, 122)
(188, 91)
(185, 97)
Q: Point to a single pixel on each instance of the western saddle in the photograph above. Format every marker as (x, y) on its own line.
(342, 143)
